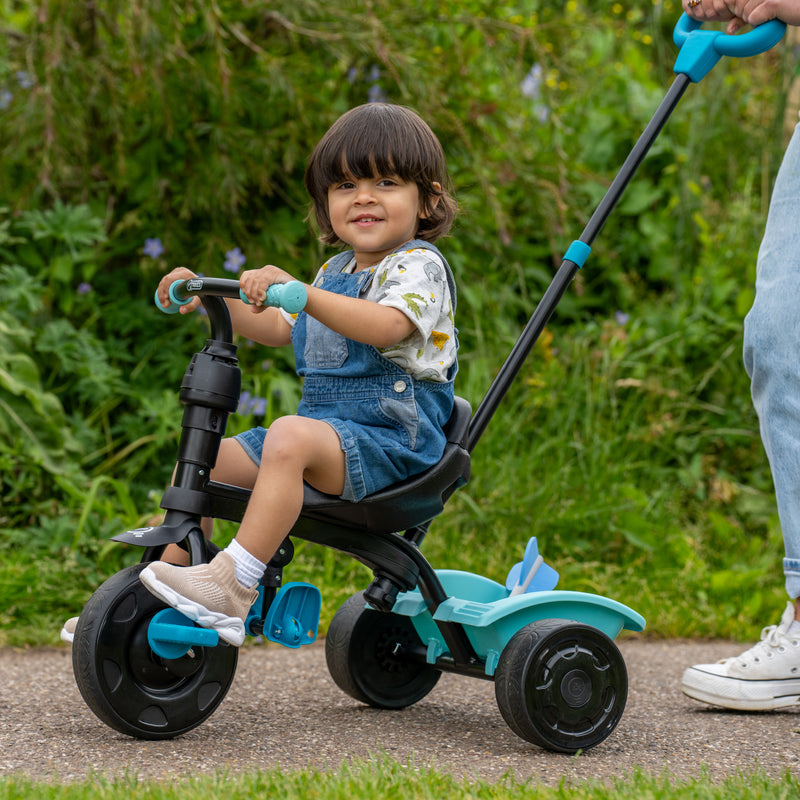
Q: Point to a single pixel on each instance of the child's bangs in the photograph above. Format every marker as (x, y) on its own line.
(357, 163)
(376, 151)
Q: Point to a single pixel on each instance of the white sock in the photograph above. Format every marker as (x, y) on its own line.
(794, 628)
(248, 568)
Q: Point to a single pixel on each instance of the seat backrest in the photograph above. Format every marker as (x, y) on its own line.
(456, 428)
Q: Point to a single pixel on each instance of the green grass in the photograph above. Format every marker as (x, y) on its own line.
(390, 779)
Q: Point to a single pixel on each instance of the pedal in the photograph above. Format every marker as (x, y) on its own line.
(293, 617)
(171, 635)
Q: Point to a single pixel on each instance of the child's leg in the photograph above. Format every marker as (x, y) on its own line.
(295, 449)
(233, 466)
(219, 595)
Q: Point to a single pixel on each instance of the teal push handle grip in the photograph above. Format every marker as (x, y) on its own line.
(175, 301)
(701, 49)
(291, 296)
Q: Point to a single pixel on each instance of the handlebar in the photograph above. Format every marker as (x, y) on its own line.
(289, 296)
(701, 49)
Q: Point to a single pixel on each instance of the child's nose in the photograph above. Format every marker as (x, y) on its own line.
(364, 193)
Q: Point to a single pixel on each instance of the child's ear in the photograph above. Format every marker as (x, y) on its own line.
(434, 201)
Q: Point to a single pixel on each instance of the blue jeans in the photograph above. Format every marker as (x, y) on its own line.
(772, 352)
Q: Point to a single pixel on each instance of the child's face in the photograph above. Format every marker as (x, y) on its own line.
(374, 215)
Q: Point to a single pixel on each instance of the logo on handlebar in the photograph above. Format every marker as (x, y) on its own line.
(194, 285)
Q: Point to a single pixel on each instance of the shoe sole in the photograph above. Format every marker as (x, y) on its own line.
(231, 629)
(740, 695)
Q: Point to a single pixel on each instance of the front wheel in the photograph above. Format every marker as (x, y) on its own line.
(367, 654)
(125, 683)
(561, 685)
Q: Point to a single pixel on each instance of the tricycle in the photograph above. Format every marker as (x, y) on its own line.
(560, 680)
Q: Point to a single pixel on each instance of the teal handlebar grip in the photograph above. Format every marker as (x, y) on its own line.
(175, 301)
(291, 296)
(701, 49)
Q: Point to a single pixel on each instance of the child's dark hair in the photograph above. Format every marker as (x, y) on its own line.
(387, 140)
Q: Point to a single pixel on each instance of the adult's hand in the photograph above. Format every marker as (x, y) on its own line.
(739, 13)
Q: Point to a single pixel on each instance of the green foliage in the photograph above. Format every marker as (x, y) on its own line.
(139, 136)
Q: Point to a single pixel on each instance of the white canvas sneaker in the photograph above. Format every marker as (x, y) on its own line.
(765, 677)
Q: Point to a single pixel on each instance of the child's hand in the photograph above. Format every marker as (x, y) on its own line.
(177, 274)
(255, 282)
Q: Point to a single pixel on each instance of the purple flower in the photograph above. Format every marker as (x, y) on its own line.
(25, 79)
(531, 86)
(375, 94)
(621, 317)
(259, 406)
(5, 99)
(244, 402)
(153, 247)
(234, 260)
(84, 288)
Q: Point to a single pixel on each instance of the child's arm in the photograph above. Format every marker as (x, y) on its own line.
(270, 329)
(361, 320)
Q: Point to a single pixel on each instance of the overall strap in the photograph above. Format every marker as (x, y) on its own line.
(338, 262)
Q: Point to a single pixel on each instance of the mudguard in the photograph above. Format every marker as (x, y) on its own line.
(491, 617)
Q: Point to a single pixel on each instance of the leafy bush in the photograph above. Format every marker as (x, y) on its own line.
(138, 137)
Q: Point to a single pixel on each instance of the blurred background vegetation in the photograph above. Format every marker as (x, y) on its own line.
(137, 136)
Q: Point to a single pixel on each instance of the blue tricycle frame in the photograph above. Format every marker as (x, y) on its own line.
(560, 681)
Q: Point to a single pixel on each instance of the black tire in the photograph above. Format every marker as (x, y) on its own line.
(125, 683)
(364, 650)
(561, 685)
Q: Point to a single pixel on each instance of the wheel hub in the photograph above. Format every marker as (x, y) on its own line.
(576, 688)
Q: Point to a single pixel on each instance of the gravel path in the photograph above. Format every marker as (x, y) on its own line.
(284, 710)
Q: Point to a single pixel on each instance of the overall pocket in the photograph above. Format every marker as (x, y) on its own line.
(324, 348)
(402, 411)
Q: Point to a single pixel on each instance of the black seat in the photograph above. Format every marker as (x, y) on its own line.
(411, 502)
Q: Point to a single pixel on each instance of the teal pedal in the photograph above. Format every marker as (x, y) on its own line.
(172, 635)
(293, 617)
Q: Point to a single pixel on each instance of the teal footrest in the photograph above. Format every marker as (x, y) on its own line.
(293, 617)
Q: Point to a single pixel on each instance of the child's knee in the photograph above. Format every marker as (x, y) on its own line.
(288, 439)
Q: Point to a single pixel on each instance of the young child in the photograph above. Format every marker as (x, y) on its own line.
(375, 346)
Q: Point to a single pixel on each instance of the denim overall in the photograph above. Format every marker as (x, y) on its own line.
(389, 424)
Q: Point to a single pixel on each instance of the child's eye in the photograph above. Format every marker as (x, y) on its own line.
(388, 182)
(343, 185)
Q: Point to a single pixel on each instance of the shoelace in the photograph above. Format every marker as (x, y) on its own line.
(771, 639)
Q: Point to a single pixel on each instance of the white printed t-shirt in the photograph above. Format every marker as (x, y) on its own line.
(414, 282)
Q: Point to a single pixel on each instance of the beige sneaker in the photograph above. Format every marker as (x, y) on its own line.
(68, 631)
(209, 594)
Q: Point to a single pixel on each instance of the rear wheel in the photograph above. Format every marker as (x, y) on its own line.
(125, 683)
(367, 655)
(561, 685)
